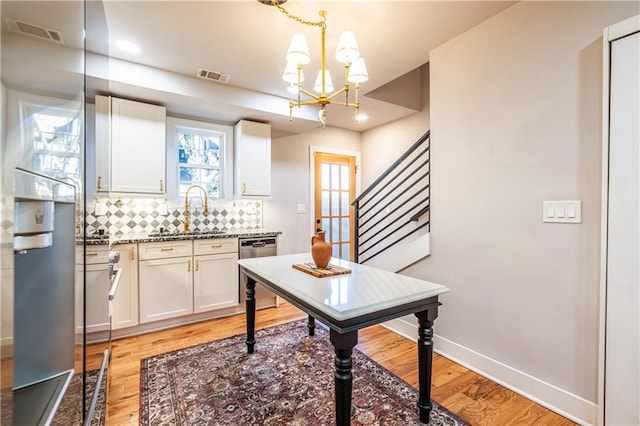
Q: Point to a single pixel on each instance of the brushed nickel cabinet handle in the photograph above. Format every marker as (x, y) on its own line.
(161, 186)
(99, 182)
(188, 266)
(197, 265)
(166, 249)
(216, 245)
(244, 188)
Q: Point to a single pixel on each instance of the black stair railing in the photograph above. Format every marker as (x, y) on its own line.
(396, 204)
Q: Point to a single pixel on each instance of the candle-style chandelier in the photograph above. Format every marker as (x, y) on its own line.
(347, 52)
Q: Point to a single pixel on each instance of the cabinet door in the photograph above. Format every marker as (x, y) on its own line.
(215, 281)
(253, 159)
(125, 303)
(96, 297)
(166, 288)
(137, 133)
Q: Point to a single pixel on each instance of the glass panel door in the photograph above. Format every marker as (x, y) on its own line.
(334, 191)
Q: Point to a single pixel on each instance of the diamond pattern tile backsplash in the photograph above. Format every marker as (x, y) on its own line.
(122, 216)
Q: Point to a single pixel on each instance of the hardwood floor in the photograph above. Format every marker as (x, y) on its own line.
(469, 395)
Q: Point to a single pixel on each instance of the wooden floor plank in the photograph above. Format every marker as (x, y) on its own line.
(467, 394)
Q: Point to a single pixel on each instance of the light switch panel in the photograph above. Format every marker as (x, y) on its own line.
(300, 209)
(562, 211)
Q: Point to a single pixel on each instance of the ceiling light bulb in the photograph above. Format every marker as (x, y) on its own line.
(358, 72)
(347, 50)
(290, 74)
(127, 46)
(322, 116)
(328, 84)
(361, 116)
(298, 51)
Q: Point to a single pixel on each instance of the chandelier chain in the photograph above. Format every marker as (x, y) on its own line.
(321, 24)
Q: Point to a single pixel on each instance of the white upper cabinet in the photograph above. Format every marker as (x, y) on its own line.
(252, 151)
(130, 146)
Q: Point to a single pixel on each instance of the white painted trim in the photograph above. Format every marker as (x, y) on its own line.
(337, 151)
(403, 254)
(604, 214)
(622, 29)
(550, 396)
(405, 326)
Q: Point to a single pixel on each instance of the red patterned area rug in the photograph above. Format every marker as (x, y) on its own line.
(287, 381)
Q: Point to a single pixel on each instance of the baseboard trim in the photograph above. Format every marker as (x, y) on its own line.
(550, 396)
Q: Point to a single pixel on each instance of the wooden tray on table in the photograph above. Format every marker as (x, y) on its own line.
(311, 269)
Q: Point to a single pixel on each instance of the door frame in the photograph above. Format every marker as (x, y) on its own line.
(610, 34)
(328, 150)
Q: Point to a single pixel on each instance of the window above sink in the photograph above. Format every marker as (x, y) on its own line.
(199, 153)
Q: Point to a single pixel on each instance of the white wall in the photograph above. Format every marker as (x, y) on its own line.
(290, 184)
(515, 119)
(383, 145)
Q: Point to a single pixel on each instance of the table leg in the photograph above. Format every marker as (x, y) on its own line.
(251, 314)
(343, 344)
(311, 326)
(425, 360)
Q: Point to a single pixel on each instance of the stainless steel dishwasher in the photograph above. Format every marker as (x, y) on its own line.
(258, 247)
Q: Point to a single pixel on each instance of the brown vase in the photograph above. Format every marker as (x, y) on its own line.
(320, 250)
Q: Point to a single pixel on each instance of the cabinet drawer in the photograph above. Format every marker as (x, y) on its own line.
(165, 249)
(94, 254)
(215, 246)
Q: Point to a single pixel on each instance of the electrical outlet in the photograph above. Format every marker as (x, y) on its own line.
(101, 208)
(163, 209)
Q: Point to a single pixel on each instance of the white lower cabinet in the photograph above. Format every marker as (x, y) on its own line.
(96, 289)
(215, 281)
(166, 288)
(166, 280)
(125, 303)
(184, 277)
(215, 277)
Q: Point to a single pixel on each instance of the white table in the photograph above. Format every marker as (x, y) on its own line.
(347, 303)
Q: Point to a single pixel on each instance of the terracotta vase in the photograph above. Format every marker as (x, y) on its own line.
(320, 250)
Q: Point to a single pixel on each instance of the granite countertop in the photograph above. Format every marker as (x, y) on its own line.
(172, 236)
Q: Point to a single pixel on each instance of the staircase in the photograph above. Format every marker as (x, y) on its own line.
(392, 214)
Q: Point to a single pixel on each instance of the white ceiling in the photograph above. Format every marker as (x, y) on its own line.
(248, 41)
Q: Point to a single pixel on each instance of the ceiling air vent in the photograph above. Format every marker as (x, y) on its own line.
(35, 31)
(213, 75)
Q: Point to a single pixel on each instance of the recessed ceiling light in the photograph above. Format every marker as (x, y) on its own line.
(362, 116)
(127, 46)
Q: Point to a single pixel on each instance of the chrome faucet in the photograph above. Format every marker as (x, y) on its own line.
(186, 205)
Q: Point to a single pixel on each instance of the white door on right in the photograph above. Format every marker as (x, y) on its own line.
(622, 277)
